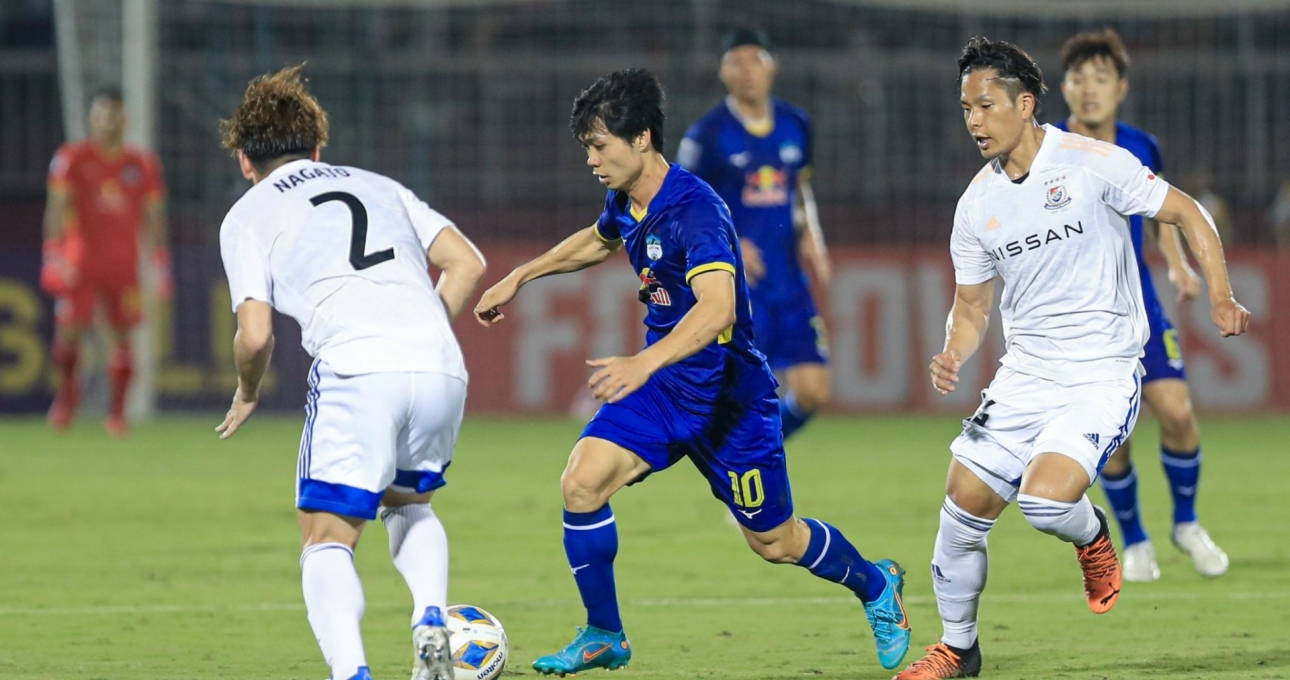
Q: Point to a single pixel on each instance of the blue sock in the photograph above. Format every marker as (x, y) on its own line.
(792, 415)
(1122, 492)
(591, 544)
(1183, 470)
(831, 557)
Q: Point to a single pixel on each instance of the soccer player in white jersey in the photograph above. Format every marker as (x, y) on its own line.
(346, 252)
(1048, 215)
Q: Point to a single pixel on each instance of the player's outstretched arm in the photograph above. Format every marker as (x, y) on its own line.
(463, 267)
(812, 240)
(1202, 237)
(252, 347)
(1181, 274)
(712, 313)
(581, 250)
(964, 330)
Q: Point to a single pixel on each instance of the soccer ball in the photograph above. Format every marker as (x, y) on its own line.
(477, 641)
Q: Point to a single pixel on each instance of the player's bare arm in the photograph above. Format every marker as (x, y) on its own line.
(462, 265)
(812, 239)
(57, 207)
(156, 235)
(712, 313)
(754, 266)
(964, 331)
(252, 347)
(1202, 237)
(581, 250)
(1181, 274)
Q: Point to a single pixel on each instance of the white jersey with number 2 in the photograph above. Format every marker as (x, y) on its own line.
(1072, 302)
(344, 252)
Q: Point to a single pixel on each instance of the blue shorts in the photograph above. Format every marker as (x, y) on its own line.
(1162, 356)
(738, 448)
(790, 333)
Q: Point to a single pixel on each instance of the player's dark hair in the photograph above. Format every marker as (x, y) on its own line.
(108, 92)
(625, 103)
(1017, 71)
(744, 35)
(278, 118)
(1091, 45)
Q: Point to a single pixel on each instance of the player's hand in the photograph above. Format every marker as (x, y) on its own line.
(617, 377)
(487, 309)
(754, 266)
(243, 406)
(1186, 281)
(164, 271)
(1230, 317)
(945, 371)
(823, 268)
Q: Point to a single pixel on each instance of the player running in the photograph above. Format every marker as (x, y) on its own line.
(1047, 214)
(100, 193)
(699, 389)
(1095, 64)
(755, 151)
(344, 251)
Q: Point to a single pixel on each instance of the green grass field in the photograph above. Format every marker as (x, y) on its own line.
(174, 555)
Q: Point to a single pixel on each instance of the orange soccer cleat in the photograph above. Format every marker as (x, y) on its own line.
(943, 662)
(1102, 573)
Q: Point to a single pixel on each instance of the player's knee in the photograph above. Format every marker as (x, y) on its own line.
(1118, 464)
(776, 551)
(1177, 421)
(814, 396)
(582, 494)
(784, 544)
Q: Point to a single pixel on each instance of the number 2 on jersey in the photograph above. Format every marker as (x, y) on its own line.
(359, 258)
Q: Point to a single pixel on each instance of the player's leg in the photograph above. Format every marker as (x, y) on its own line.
(1120, 482)
(125, 310)
(418, 542)
(808, 392)
(332, 591)
(1180, 454)
(801, 349)
(73, 314)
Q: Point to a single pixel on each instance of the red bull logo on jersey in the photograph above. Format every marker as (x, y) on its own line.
(766, 187)
(652, 292)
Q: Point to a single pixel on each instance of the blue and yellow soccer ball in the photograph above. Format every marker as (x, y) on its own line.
(478, 643)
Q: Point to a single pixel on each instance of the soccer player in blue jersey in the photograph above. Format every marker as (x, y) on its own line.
(1095, 64)
(699, 388)
(755, 151)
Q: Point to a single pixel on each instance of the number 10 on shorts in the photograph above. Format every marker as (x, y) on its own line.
(747, 489)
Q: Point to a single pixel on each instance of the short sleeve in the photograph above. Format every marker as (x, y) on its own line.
(154, 181)
(246, 263)
(1157, 164)
(808, 140)
(426, 221)
(705, 232)
(698, 154)
(606, 226)
(60, 169)
(1128, 186)
(972, 264)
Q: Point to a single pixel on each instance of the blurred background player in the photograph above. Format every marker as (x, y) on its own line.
(698, 390)
(755, 151)
(344, 251)
(102, 195)
(1047, 215)
(1095, 64)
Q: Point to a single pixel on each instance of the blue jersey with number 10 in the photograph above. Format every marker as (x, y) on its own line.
(686, 231)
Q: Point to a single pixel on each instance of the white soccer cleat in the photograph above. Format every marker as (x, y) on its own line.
(1140, 563)
(1191, 538)
(432, 655)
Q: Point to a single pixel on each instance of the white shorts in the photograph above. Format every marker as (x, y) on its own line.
(366, 433)
(1022, 416)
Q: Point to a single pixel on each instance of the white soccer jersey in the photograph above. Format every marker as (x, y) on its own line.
(344, 252)
(1072, 301)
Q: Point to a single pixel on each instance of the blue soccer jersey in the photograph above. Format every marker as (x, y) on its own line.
(687, 231)
(1162, 356)
(756, 173)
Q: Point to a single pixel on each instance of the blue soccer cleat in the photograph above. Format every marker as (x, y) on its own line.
(593, 648)
(887, 617)
(364, 673)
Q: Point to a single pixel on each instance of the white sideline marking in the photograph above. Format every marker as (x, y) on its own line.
(1016, 598)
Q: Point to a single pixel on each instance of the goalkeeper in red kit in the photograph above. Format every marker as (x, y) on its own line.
(103, 196)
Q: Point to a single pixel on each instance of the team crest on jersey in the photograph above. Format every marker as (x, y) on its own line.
(766, 187)
(1057, 198)
(652, 292)
(790, 153)
(653, 248)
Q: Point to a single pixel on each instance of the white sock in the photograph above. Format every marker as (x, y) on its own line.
(334, 601)
(1072, 522)
(419, 547)
(959, 566)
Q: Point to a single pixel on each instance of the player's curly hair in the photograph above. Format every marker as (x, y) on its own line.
(277, 118)
(626, 103)
(1017, 71)
(1090, 45)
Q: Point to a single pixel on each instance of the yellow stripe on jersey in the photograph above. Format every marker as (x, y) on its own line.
(638, 216)
(709, 267)
(726, 336)
(601, 236)
(760, 128)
